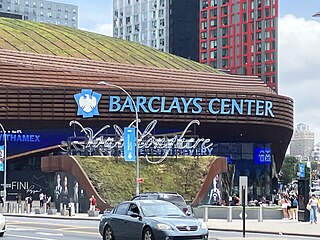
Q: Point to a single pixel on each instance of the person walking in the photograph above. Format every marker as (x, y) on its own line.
(294, 206)
(284, 206)
(313, 202)
(93, 203)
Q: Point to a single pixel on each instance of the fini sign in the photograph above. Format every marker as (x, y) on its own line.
(88, 101)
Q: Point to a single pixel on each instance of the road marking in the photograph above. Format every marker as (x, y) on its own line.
(27, 237)
(50, 234)
(20, 229)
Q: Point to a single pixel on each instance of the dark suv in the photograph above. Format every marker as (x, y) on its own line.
(174, 198)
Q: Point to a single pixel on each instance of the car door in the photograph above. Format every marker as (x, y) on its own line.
(134, 223)
(118, 221)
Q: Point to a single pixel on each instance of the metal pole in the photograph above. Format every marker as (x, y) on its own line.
(137, 130)
(5, 166)
(243, 212)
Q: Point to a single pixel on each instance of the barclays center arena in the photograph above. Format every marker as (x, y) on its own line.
(53, 108)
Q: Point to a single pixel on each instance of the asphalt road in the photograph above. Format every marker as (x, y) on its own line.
(51, 229)
(59, 229)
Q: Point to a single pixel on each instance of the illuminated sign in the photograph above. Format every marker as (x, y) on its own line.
(19, 136)
(262, 156)
(216, 106)
(87, 102)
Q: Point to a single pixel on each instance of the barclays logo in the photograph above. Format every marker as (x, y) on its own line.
(87, 102)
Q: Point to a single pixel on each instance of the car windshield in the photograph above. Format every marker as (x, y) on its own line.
(175, 199)
(161, 210)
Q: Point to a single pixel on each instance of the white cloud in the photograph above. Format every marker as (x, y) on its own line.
(105, 29)
(299, 68)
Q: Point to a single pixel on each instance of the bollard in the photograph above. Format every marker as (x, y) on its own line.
(229, 216)
(28, 208)
(260, 217)
(205, 214)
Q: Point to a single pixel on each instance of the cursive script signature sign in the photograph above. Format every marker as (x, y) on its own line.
(150, 144)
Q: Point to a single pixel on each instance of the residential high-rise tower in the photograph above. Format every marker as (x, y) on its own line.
(41, 11)
(240, 36)
(167, 25)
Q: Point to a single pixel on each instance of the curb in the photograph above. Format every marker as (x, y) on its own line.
(56, 216)
(267, 232)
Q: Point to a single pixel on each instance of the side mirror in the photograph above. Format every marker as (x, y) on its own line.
(134, 215)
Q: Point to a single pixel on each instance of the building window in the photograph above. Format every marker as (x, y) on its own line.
(213, 44)
(213, 23)
(214, 12)
(161, 22)
(213, 54)
(204, 45)
(204, 14)
(224, 21)
(204, 35)
(213, 3)
(204, 4)
(213, 33)
(204, 56)
(224, 31)
(203, 25)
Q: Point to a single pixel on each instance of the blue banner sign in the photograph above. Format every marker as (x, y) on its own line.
(262, 156)
(301, 170)
(1, 158)
(129, 144)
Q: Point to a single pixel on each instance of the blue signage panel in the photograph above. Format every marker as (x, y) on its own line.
(262, 155)
(1, 158)
(129, 141)
(302, 170)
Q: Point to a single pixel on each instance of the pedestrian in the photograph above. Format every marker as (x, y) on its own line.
(284, 206)
(93, 203)
(313, 202)
(41, 198)
(294, 206)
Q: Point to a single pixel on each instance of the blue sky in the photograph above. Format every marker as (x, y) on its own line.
(299, 51)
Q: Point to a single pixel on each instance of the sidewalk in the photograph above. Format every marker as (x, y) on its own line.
(279, 227)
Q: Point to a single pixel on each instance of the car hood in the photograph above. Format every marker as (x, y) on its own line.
(178, 220)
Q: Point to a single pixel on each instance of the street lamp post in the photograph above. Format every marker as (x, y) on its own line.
(137, 130)
(5, 165)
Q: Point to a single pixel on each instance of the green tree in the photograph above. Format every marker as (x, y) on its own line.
(289, 169)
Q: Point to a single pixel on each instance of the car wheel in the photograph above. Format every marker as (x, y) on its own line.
(108, 234)
(1, 234)
(147, 234)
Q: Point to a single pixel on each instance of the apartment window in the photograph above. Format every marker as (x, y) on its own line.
(259, 35)
(224, 52)
(129, 29)
(259, 69)
(245, 49)
(127, 20)
(161, 3)
(41, 5)
(136, 37)
(224, 10)
(225, 62)
(161, 32)
(204, 35)
(204, 14)
(244, 17)
(267, 46)
(259, 47)
(204, 45)
(213, 22)
(204, 4)
(162, 42)
(161, 22)
(213, 3)
(136, 18)
(259, 14)
(225, 42)
(225, 1)
(213, 64)
(49, 14)
(244, 6)
(26, 3)
(267, 2)
(213, 54)
(213, 44)
(224, 21)
(258, 57)
(161, 13)
(258, 24)
(203, 25)
(224, 31)
(204, 56)
(136, 28)
(267, 12)
(245, 27)
(245, 60)
(214, 12)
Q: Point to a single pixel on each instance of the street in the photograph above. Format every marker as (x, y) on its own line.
(51, 229)
(60, 229)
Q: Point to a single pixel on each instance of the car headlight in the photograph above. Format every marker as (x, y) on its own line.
(202, 225)
(163, 226)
